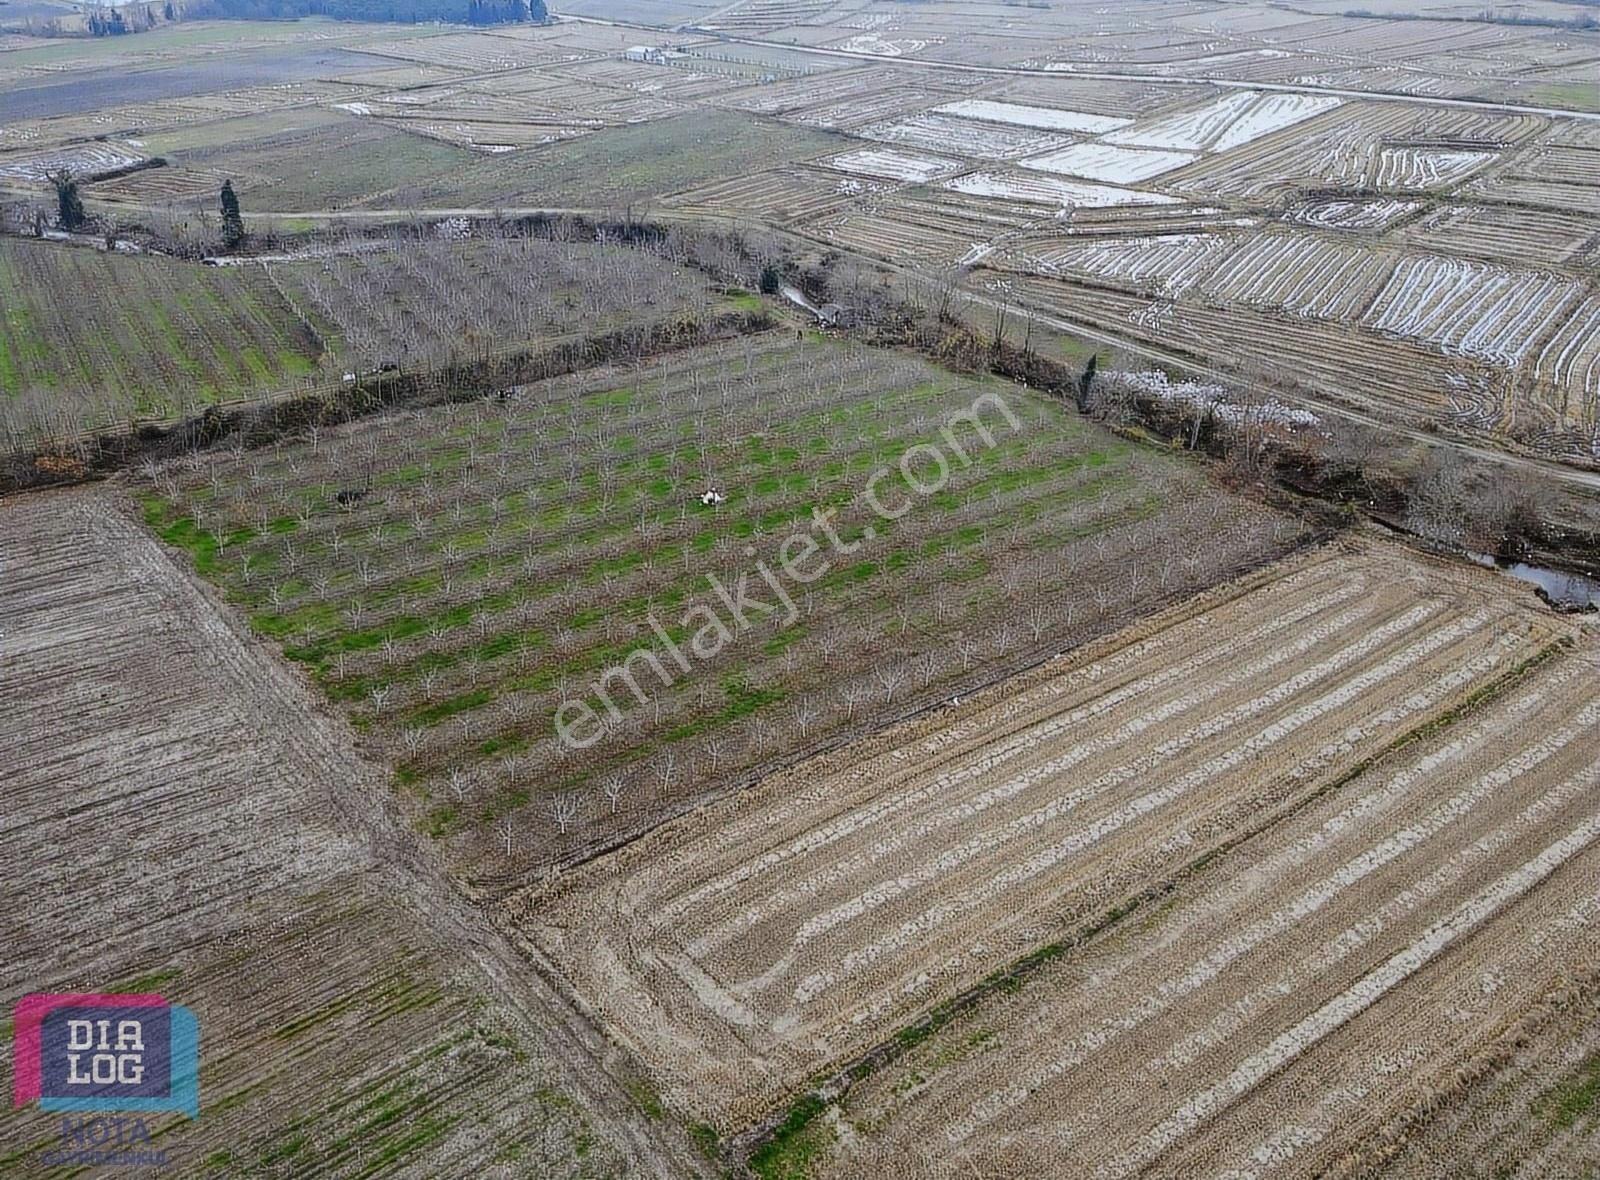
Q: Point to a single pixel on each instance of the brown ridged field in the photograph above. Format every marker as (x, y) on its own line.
(740, 951)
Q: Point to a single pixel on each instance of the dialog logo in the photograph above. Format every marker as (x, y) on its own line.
(94, 1051)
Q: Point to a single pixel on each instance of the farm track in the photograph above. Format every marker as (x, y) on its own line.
(740, 950)
(218, 813)
(1324, 977)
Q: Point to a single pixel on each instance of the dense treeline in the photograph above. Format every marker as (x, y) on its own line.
(1583, 22)
(131, 18)
(474, 12)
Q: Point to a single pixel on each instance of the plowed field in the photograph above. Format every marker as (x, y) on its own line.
(180, 817)
(741, 950)
(1308, 1009)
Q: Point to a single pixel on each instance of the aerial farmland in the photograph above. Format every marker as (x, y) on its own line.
(783, 590)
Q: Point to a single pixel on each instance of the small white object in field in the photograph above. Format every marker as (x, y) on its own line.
(713, 497)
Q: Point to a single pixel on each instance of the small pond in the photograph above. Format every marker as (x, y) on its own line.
(1573, 591)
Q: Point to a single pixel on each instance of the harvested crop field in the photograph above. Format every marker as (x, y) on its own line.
(180, 817)
(1412, 942)
(1533, 1110)
(741, 949)
(964, 137)
(778, 195)
(1394, 377)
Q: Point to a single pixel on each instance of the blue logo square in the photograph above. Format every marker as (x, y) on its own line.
(106, 1054)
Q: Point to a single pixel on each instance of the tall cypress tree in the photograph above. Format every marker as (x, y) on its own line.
(69, 205)
(232, 221)
(1086, 382)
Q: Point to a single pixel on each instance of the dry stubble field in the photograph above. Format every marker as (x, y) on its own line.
(1533, 1112)
(1306, 1006)
(740, 950)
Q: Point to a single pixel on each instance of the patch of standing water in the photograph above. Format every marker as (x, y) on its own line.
(1572, 591)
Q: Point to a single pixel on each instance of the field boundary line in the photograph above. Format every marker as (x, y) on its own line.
(975, 696)
(361, 800)
(766, 1141)
(257, 422)
(868, 740)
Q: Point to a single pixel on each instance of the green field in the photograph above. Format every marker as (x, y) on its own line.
(309, 159)
(101, 338)
(301, 160)
(618, 167)
(1573, 96)
(173, 41)
(240, 133)
(506, 555)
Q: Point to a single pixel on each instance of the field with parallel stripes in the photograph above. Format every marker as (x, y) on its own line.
(507, 553)
(1516, 236)
(779, 195)
(740, 950)
(1394, 377)
(1534, 1106)
(89, 339)
(230, 850)
(964, 137)
(1168, 264)
(1472, 309)
(1298, 1007)
(1569, 367)
(1304, 274)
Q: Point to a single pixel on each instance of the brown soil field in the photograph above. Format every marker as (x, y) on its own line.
(743, 948)
(181, 817)
(1306, 1005)
(1531, 1110)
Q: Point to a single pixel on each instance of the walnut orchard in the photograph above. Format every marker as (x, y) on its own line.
(735, 605)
